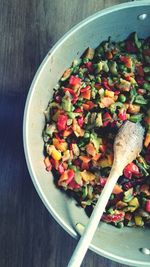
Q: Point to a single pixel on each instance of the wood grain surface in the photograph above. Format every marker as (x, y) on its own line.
(29, 236)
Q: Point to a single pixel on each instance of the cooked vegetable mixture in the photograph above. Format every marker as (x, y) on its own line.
(94, 97)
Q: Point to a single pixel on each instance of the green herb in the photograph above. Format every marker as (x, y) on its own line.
(139, 99)
(146, 86)
(136, 118)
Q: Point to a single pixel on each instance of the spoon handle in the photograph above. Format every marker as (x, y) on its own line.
(85, 240)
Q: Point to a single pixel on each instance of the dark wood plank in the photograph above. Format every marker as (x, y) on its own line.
(29, 236)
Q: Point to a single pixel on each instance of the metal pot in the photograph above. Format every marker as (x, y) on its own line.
(122, 245)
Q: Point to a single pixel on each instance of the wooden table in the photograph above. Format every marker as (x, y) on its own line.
(29, 236)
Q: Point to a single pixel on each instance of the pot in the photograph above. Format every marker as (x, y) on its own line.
(122, 245)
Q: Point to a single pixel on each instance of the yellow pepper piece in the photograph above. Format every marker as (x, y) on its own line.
(62, 146)
(56, 155)
(49, 149)
(134, 204)
(109, 93)
(138, 220)
(134, 109)
(77, 129)
(87, 176)
(120, 204)
(132, 80)
(106, 162)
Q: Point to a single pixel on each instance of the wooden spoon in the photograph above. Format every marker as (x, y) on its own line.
(127, 145)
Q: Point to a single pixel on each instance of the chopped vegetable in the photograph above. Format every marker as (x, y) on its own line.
(96, 94)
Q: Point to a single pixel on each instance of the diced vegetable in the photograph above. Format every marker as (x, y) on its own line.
(147, 205)
(87, 176)
(134, 204)
(134, 109)
(147, 139)
(93, 98)
(48, 164)
(117, 189)
(66, 74)
(56, 155)
(89, 53)
(106, 162)
(106, 102)
(62, 122)
(74, 80)
(138, 220)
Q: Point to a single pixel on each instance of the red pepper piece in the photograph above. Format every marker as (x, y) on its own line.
(106, 119)
(85, 89)
(134, 168)
(131, 169)
(61, 169)
(127, 173)
(80, 121)
(127, 61)
(74, 80)
(78, 110)
(73, 185)
(122, 115)
(113, 217)
(88, 105)
(70, 174)
(103, 148)
(62, 122)
(74, 95)
(127, 77)
(66, 177)
(68, 131)
(85, 166)
(147, 205)
(86, 94)
(103, 181)
(116, 92)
